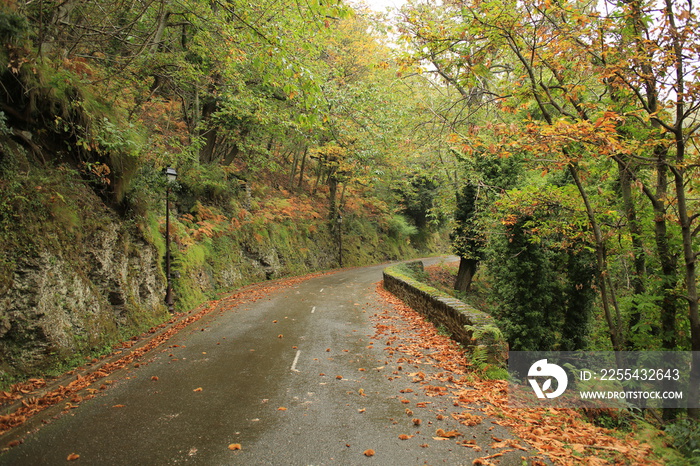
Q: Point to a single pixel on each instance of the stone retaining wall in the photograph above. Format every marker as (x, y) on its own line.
(466, 325)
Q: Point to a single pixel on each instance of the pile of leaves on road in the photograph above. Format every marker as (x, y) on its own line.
(562, 435)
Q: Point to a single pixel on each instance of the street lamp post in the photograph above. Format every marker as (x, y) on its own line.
(171, 176)
(340, 240)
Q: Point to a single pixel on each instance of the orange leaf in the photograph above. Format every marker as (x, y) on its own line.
(198, 389)
(73, 457)
(234, 446)
(449, 434)
(405, 437)
(281, 408)
(369, 452)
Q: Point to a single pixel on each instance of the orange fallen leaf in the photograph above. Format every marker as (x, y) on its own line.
(118, 406)
(339, 377)
(447, 434)
(417, 422)
(369, 452)
(405, 437)
(280, 336)
(198, 389)
(154, 378)
(73, 457)
(281, 408)
(234, 447)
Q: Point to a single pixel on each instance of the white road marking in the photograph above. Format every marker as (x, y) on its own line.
(313, 309)
(321, 290)
(296, 359)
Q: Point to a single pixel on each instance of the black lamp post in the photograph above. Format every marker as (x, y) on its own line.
(171, 176)
(340, 239)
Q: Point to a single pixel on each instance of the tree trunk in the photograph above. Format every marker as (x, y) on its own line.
(636, 233)
(607, 292)
(465, 274)
(685, 220)
(303, 166)
(332, 194)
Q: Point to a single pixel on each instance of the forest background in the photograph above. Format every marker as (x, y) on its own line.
(556, 142)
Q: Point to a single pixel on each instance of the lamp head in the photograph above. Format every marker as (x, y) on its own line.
(170, 174)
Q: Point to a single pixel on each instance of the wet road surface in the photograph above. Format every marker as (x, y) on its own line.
(293, 378)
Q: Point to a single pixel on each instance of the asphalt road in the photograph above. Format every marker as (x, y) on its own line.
(294, 378)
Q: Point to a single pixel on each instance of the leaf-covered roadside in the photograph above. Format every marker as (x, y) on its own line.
(562, 435)
(25, 400)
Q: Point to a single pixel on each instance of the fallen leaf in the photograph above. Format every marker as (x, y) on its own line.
(154, 378)
(281, 408)
(417, 422)
(198, 389)
(118, 406)
(369, 452)
(73, 457)
(234, 447)
(405, 437)
(447, 434)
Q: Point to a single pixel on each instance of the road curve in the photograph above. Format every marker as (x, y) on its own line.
(295, 377)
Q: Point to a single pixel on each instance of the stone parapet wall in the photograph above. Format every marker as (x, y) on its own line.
(468, 326)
